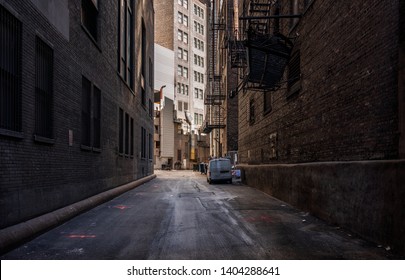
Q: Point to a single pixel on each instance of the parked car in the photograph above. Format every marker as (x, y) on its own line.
(219, 170)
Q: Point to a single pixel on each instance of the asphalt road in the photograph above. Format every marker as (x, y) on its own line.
(179, 215)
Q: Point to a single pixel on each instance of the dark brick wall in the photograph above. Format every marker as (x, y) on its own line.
(347, 108)
(36, 178)
(401, 80)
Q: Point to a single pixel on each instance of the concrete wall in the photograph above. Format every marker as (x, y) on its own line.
(366, 197)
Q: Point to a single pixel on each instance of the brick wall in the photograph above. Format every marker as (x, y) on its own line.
(347, 106)
(164, 22)
(36, 178)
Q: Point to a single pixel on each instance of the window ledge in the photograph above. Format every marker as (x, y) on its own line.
(44, 140)
(13, 134)
(126, 83)
(86, 148)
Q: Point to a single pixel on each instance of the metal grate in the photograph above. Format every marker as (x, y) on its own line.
(10, 71)
(43, 89)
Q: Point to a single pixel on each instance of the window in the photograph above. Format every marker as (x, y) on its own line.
(251, 111)
(126, 139)
(186, 89)
(10, 72)
(179, 70)
(195, 118)
(185, 37)
(195, 92)
(143, 64)
(126, 42)
(121, 131)
(86, 112)
(201, 94)
(96, 118)
(180, 106)
(294, 74)
(185, 105)
(150, 146)
(91, 115)
(125, 134)
(185, 4)
(185, 72)
(178, 88)
(180, 17)
(185, 55)
(150, 108)
(43, 89)
(90, 17)
(267, 100)
(151, 78)
(201, 119)
(179, 53)
(131, 143)
(143, 143)
(179, 35)
(185, 20)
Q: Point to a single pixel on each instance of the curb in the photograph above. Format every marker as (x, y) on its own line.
(14, 235)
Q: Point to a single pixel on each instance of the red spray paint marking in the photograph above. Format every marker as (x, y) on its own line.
(81, 236)
(121, 207)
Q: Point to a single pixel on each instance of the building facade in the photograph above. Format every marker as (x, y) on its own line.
(182, 27)
(76, 115)
(321, 110)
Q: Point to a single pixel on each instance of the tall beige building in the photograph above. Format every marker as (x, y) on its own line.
(181, 25)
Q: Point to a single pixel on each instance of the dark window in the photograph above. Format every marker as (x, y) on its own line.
(267, 96)
(86, 112)
(294, 73)
(121, 131)
(89, 17)
(131, 143)
(43, 89)
(143, 97)
(10, 71)
(150, 108)
(91, 115)
(96, 118)
(150, 146)
(126, 41)
(143, 64)
(126, 134)
(251, 112)
(143, 51)
(150, 73)
(143, 142)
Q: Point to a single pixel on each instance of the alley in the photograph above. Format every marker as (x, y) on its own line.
(179, 215)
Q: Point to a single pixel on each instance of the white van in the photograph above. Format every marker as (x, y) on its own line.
(219, 170)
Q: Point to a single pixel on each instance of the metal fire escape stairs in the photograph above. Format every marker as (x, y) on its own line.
(258, 50)
(214, 98)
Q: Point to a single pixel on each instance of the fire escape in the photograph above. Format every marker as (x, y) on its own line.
(214, 97)
(258, 50)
